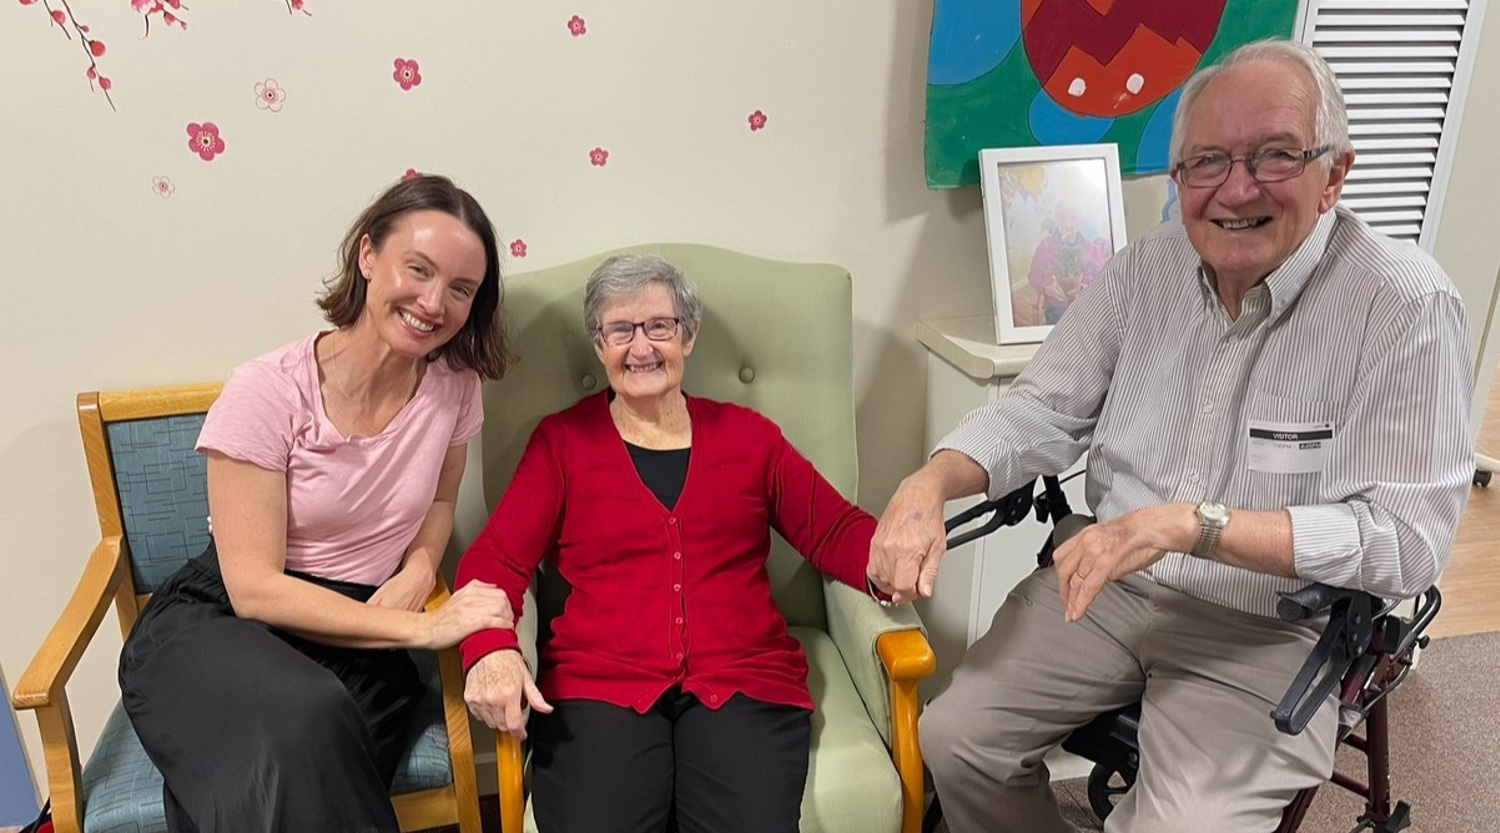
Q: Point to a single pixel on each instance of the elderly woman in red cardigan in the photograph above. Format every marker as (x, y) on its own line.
(670, 692)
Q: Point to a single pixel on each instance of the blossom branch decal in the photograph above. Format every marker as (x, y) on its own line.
(170, 12)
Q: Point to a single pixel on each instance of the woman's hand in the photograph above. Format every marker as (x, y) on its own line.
(495, 687)
(476, 606)
(408, 589)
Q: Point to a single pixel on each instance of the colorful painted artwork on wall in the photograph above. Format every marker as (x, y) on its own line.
(1021, 73)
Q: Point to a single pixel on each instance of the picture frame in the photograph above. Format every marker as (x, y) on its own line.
(1053, 216)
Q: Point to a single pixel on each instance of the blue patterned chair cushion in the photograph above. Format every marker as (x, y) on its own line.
(122, 790)
(163, 487)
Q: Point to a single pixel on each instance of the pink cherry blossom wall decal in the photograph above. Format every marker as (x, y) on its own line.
(162, 187)
(407, 74)
(411, 173)
(518, 248)
(577, 27)
(598, 157)
(269, 95)
(204, 139)
(757, 121)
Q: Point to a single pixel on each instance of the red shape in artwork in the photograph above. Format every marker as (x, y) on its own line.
(27, 2)
(1111, 57)
(411, 173)
(518, 248)
(203, 139)
(598, 157)
(105, 84)
(59, 17)
(757, 121)
(407, 73)
(576, 26)
(96, 48)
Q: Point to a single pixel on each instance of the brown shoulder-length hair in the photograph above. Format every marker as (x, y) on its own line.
(482, 344)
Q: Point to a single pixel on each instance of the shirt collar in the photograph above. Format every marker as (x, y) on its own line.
(1289, 279)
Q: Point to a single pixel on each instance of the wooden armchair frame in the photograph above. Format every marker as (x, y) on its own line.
(107, 578)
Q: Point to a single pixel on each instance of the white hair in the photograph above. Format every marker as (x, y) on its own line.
(1330, 120)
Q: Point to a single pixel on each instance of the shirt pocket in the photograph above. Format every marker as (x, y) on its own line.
(1286, 444)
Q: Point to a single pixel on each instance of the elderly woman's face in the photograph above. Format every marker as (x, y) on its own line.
(642, 368)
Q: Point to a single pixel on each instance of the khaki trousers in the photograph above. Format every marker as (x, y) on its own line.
(1207, 678)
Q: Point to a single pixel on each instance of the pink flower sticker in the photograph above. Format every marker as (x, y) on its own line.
(576, 26)
(757, 121)
(162, 187)
(598, 157)
(203, 139)
(407, 73)
(411, 173)
(518, 248)
(269, 96)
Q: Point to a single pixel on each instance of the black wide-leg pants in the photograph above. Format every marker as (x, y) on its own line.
(681, 766)
(256, 730)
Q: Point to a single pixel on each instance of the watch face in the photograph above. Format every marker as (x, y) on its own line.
(1216, 513)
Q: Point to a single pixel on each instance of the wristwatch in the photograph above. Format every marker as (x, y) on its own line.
(1212, 518)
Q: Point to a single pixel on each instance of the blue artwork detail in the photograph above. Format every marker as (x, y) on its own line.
(970, 38)
(1154, 153)
(1052, 125)
(1171, 209)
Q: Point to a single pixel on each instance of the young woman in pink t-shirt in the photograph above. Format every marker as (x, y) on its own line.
(268, 679)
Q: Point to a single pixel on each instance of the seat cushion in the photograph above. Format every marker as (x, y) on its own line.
(852, 786)
(122, 790)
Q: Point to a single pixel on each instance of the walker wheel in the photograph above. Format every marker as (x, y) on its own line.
(1106, 787)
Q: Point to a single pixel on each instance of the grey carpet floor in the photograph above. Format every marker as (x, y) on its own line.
(1445, 748)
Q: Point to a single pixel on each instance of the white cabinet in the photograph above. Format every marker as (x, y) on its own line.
(965, 370)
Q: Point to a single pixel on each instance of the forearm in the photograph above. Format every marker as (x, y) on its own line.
(321, 615)
(426, 550)
(1257, 541)
(949, 475)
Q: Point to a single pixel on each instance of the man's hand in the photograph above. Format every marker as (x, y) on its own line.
(1104, 552)
(495, 687)
(909, 541)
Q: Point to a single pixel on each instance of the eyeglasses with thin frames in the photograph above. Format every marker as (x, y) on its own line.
(621, 333)
(1210, 170)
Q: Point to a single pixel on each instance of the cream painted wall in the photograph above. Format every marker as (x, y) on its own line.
(107, 285)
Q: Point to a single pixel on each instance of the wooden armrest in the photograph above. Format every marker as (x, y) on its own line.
(509, 767)
(907, 659)
(54, 662)
(439, 595)
(906, 655)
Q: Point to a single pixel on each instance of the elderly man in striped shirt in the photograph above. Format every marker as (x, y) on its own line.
(1270, 394)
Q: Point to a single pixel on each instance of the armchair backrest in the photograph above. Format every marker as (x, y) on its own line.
(776, 337)
(150, 486)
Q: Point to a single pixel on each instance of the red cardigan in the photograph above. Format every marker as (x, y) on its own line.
(663, 598)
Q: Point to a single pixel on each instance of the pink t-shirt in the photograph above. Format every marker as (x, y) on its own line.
(353, 504)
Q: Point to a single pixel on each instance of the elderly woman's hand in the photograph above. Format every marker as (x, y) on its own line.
(495, 687)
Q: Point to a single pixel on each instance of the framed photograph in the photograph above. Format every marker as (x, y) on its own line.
(1053, 216)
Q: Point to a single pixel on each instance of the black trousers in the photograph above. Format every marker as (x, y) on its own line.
(255, 730)
(679, 767)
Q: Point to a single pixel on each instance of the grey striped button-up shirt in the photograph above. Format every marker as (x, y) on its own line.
(1341, 393)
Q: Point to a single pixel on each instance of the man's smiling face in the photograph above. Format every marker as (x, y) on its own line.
(1245, 229)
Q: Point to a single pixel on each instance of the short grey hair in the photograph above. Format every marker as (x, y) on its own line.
(625, 275)
(1330, 119)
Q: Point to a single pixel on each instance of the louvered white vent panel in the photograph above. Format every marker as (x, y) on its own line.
(1398, 62)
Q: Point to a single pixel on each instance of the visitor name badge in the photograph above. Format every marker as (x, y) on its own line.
(1289, 447)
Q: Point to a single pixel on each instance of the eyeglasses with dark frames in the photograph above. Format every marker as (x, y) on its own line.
(1274, 164)
(621, 333)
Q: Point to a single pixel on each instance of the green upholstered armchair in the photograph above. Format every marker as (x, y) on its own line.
(776, 337)
(151, 493)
